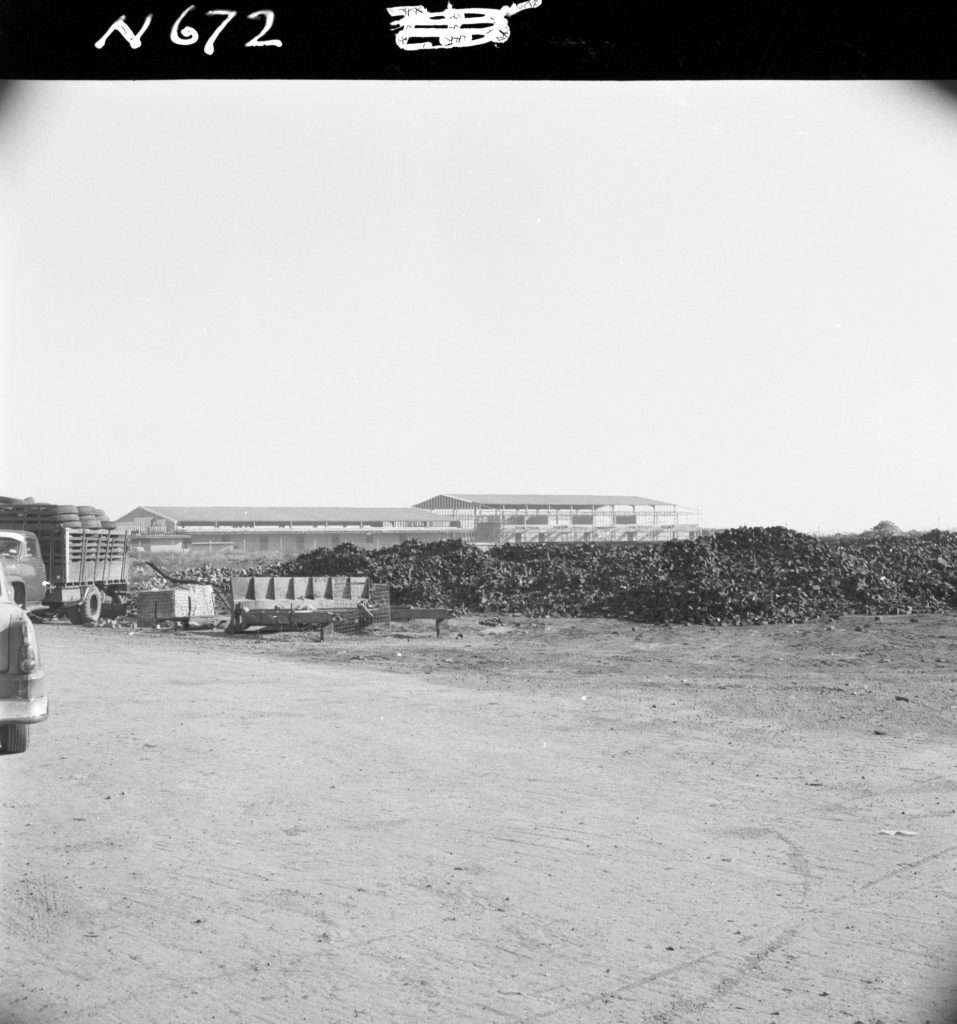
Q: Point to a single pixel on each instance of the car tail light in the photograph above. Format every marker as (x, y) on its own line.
(28, 647)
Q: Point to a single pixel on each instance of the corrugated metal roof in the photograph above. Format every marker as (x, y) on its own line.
(544, 500)
(283, 515)
(141, 512)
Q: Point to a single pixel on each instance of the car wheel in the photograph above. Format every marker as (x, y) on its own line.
(14, 739)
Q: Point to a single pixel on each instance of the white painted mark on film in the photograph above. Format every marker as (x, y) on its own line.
(421, 29)
(135, 39)
(183, 34)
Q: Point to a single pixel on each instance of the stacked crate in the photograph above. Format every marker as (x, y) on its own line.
(192, 605)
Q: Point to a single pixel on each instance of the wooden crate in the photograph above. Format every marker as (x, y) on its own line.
(179, 604)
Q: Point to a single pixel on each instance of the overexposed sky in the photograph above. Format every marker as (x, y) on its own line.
(734, 296)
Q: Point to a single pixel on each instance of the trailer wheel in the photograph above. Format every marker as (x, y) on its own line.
(14, 739)
(90, 607)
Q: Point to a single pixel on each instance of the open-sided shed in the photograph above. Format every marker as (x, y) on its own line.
(505, 518)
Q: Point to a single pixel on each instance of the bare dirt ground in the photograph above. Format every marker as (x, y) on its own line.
(528, 821)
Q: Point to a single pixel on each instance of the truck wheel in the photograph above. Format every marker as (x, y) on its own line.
(14, 739)
(90, 607)
(72, 613)
(20, 594)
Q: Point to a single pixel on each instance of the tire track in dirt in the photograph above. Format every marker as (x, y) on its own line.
(800, 866)
(909, 866)
(796, 856)
(646, 979)
(734, 969)
(35, 908)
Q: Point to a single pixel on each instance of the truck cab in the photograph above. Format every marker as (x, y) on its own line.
(23, 566)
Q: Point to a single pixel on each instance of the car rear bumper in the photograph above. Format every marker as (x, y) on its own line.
(24, 710)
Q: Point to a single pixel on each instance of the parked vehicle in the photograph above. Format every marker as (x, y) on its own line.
(23, 697)
(26, 573)
(75, 555)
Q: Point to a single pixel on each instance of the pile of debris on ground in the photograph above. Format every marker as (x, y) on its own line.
(745, 575)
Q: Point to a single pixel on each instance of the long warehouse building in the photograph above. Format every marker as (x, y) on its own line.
(481, 519)
(287, 530)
